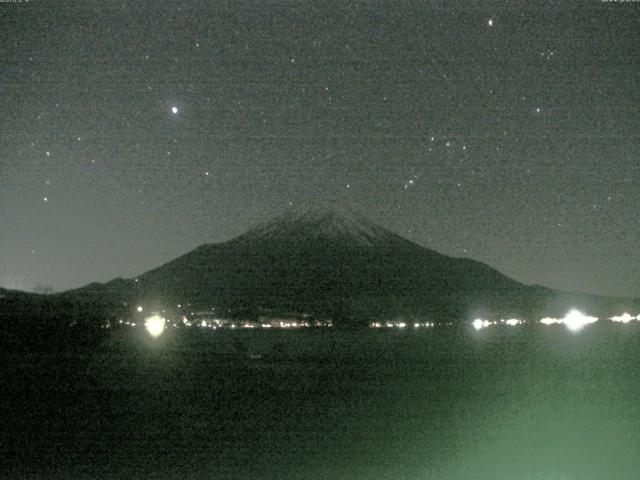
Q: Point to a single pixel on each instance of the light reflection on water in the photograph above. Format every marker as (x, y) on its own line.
(507, 403)
(522, 404)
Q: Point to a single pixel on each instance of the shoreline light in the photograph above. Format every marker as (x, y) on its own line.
(154, 325)
(550, 321)
(624, 318)
(479, 323)
(575, 320)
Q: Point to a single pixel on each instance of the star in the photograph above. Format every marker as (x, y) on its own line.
(174, 110)
(490, 22)
(411, 182)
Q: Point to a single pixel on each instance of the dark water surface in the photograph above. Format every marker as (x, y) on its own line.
(514, 403)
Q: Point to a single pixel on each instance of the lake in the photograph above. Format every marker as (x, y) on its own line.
(516, 403)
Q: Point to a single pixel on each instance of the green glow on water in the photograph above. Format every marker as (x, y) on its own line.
(445, 404)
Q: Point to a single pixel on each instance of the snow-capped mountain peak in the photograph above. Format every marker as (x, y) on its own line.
(322, 220)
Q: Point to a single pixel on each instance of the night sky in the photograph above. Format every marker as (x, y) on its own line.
(131, 132)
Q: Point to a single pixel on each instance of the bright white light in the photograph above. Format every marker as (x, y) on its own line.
(550, 321)
(512, 322)
(624, 318)
(139, 309)
(490, 22)
(479, 323)
(402, 325)
(174, 110)
(576, 320)
(154, 325)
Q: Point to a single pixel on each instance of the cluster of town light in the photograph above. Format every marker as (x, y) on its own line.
(156, 323)
(249, 324)
(625, 318)
(479, 323)
(573, 320)
(397, 324)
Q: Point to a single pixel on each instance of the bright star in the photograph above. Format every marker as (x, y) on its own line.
(490, 22)
(174, 110)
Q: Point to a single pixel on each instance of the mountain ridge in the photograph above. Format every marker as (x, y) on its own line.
(328, 261)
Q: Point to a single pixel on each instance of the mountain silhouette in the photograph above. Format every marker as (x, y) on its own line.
(328, 261)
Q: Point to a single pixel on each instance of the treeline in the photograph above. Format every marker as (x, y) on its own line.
(43, 322)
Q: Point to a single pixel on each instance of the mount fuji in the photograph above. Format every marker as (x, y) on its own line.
(328, 261)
